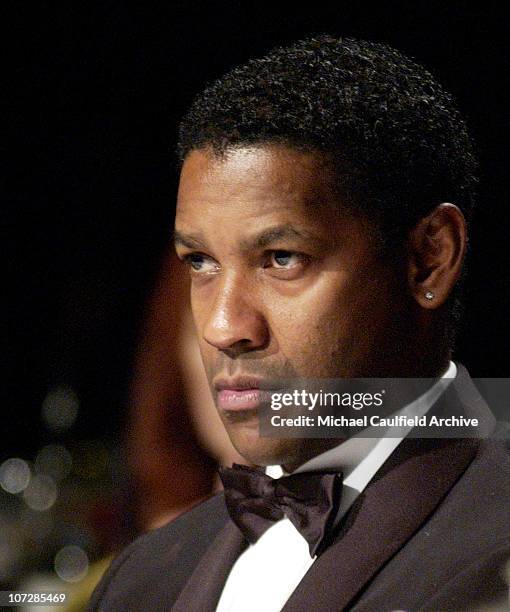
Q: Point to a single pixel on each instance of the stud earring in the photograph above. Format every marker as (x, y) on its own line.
(429, 295)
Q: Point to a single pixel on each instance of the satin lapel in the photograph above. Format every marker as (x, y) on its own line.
(382, 520)
(204, 587)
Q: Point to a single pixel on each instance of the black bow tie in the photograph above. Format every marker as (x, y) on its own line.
(310, 500)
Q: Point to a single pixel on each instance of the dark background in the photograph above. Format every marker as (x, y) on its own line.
(97, 91)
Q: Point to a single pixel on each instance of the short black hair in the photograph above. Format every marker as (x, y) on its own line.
(395, 137)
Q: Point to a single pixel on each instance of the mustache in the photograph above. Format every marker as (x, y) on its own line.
(268, 374)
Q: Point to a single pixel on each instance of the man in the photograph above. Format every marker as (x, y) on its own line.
(323, 203)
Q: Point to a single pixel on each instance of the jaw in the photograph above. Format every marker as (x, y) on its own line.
(263, 451)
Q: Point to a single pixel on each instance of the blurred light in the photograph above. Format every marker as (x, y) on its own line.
(54, 460)
(41, 493)
(71, 563)
(60, 408)
(35, 526)
(14, 475)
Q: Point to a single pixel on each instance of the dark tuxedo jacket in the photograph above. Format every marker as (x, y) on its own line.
(430, 532)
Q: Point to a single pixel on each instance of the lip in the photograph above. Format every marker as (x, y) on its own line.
(239, 393)
(238, 383)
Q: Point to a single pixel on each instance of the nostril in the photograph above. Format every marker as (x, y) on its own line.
(238, 335)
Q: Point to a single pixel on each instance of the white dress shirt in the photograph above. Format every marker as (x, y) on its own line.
(267, 572)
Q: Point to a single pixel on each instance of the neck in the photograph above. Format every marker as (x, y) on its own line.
(432, 370)
(311, 448)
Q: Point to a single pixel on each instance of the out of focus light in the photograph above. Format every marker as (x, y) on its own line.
(41, 493)
(36, 527)
(71, 563)
(55, 461)
(14, 475)
(60, 408)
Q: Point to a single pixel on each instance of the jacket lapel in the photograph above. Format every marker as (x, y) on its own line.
(396, 503)
(204, 587)
(391, 509)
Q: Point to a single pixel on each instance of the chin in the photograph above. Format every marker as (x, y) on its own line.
(265, 451)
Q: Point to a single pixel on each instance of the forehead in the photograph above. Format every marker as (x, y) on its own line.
(255, 181)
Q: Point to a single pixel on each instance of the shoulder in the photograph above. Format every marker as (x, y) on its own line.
(159, 562)
(492, 463)
(482, 496)
(467, 541)
(474, 526)
(456, 559)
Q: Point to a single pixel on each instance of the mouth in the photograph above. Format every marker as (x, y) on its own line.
(233, 399)
(240, 393)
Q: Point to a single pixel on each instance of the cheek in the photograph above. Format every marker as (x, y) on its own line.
(201, 306)
(307, 328)
(334, 328)
(207, 352)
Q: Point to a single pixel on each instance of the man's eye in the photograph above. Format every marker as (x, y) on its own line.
(200, 263)
(285, 259)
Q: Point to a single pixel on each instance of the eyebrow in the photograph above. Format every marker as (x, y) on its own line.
(187, 240)
(261, 240)
(272, 234)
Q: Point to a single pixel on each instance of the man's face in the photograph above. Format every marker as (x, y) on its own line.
(285, 284)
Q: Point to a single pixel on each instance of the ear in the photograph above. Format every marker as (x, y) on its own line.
(436, 250)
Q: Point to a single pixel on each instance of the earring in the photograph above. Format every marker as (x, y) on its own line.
(429, 295)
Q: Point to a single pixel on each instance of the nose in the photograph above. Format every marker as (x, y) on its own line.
(235, 323)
